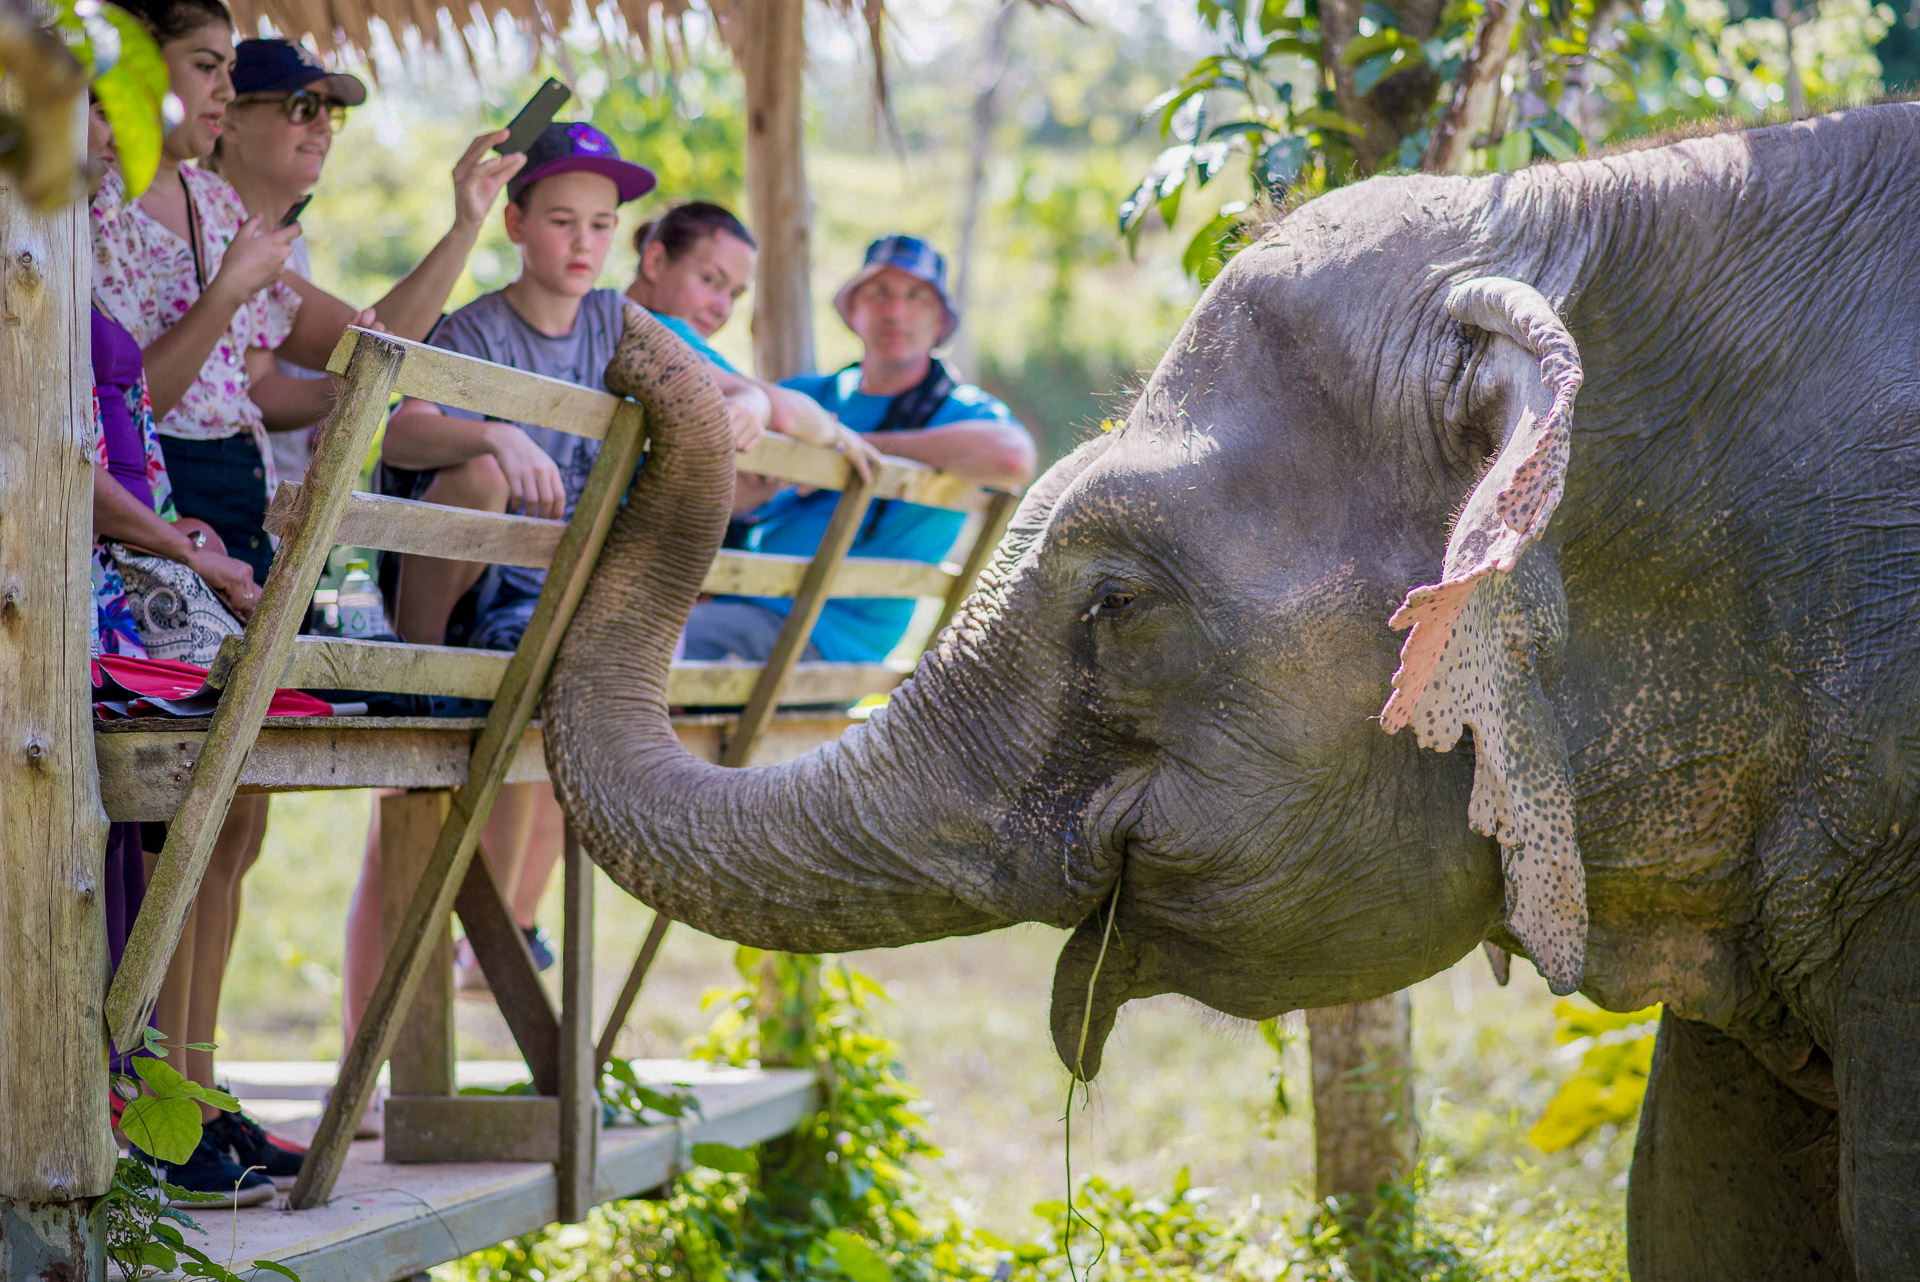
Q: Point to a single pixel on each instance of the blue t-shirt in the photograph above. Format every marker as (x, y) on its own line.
(864, 629)
(693, 339)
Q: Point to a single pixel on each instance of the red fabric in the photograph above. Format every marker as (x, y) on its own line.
(168, 679)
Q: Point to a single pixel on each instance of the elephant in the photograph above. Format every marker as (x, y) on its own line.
(1596, 477)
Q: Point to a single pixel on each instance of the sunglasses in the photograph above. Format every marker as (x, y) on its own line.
(304, 106)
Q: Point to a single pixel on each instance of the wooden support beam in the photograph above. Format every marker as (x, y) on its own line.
(501, 950)
(513, 707)
(993, 526)
(58, 1150)
(771, 50)
(629, 991)
(472, 1128)
(423, 1060)
(579, 1067)
(842, 526)
(340, 448)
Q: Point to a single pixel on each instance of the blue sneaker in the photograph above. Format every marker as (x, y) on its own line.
(540, 946)
(211, 1170)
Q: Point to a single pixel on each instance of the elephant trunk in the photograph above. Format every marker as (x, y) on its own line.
(881, 838)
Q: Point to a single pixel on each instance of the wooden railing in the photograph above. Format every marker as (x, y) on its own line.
(189, 772)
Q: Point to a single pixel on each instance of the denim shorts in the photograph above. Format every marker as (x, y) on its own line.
(223, 483)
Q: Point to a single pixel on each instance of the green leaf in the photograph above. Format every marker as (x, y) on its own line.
(1515, 150)
(1385, 40)
(155, 1255)
(130, 94)
(856, 1259)
(168, 1082)
(1209, 158)
(169, 1129)
(1320, 118)
(725, 1157)
(1281, 163)
(1552, 145)
(1235, 128)
(274, 1266)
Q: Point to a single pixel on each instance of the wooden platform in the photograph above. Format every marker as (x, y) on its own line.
(386, 1222)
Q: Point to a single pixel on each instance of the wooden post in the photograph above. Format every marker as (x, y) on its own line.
(423, 1058)
(58, 1151)
(771, 53)
(577, 1167)
(1363, 1123)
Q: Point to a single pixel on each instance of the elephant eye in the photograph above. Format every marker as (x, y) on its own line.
(1111, 603)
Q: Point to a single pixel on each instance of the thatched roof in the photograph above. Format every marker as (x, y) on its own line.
(646, 24)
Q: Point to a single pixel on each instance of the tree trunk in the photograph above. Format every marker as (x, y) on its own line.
(59, 1150)
(771, 52)
(1475, 94)
(986, 114)
(1363, 1121)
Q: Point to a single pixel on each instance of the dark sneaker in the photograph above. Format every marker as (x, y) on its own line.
(211, 1170)
(251, 1146)
(540, 946)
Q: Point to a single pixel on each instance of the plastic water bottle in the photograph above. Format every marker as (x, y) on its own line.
(363, 614)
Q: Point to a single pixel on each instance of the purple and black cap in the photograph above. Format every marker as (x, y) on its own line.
(566, 148)
(281, 66)
(911, 255)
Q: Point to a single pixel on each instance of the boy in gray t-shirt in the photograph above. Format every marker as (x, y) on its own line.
(563, 208)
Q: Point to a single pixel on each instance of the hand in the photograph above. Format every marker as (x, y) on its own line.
(750, 490)
(858, 449)
(255, 259)
(477, 182)
(746, 422)
(367, 320)
(231, 580)
(191, 526)
(533, 478)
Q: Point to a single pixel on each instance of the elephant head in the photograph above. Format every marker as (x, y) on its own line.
(1158, 718)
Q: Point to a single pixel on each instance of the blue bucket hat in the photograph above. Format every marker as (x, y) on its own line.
(281, 66)
(916, 258)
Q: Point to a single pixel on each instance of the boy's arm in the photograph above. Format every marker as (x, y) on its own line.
(987, 451)
(421, 437)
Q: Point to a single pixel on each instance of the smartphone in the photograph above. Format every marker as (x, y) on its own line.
(535, 116)
(299, 208)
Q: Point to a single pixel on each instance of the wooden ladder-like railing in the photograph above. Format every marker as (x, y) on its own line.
(429, 835)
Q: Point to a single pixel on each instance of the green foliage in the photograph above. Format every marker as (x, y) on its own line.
(144, 1233)
(128, 76)
(1615, 1054)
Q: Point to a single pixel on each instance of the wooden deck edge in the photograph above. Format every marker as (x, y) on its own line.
(633, 1161)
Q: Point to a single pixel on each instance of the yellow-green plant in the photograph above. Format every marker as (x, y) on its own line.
(1615, 1054)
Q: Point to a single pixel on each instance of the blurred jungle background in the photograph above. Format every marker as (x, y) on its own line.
(1012, 140)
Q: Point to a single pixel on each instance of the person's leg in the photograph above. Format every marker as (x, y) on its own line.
(366, 948)
(431, 587)
(545, 844)
(216, 908)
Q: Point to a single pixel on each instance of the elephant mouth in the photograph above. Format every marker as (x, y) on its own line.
(1096, 974)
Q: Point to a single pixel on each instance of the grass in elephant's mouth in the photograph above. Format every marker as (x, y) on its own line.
(1179, 1087)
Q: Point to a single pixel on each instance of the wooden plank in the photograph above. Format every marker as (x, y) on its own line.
(144, 766)
(630, 991)
(423, 1057)
(434, 529)
(471, 1128)
(722, 683)
(53, 943)
(462, 534)
(392, 1221)
(898, 478)
(144, 772)
(579, 1120)
(845, 523)
(993, 526)
(513, 707)
(447, 378)
(769, 574)
(341, 446)
(502, 952)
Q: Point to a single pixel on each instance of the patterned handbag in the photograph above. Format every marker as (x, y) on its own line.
(176, 614)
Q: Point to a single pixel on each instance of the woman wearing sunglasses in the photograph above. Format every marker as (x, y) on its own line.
(272, 147)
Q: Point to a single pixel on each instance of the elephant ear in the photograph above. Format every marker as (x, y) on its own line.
(1470, 658)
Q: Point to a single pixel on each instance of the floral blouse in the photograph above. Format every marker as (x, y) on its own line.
(144, 278)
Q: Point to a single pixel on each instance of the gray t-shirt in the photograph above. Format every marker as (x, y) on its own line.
(490, 329)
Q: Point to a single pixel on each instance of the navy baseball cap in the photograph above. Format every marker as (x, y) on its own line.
(911, 255)
(281, 66)
(565, 148)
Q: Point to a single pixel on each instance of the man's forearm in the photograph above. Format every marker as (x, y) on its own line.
(986, 451)
(412, 307)
(288, 403)
(421, 439)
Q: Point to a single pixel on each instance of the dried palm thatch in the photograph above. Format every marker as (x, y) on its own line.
(646, 25)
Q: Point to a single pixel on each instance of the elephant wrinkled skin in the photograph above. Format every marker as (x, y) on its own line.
(1633, 445)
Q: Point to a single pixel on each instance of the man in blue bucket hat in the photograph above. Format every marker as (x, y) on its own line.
(904, 399)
